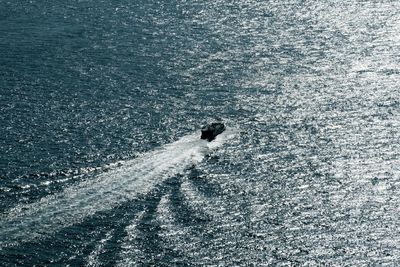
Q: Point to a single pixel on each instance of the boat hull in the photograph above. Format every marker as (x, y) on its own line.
(210, 131)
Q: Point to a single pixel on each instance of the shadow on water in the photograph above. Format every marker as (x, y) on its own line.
(197, 178)
(98, 240)
(184, 214)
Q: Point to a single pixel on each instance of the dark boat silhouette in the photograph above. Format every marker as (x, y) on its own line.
(210, 131)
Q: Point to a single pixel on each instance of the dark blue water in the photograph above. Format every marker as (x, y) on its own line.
(101, 103)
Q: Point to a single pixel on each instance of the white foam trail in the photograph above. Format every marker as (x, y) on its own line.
(129, 250)
(107, 190)
(93, 259)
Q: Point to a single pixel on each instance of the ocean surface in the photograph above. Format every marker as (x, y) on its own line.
(101, 106)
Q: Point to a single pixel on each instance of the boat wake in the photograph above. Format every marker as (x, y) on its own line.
(29, 222)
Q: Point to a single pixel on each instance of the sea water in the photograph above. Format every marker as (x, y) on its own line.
(101, 106)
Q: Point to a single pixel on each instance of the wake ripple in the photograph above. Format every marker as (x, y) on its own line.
(38, 220)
